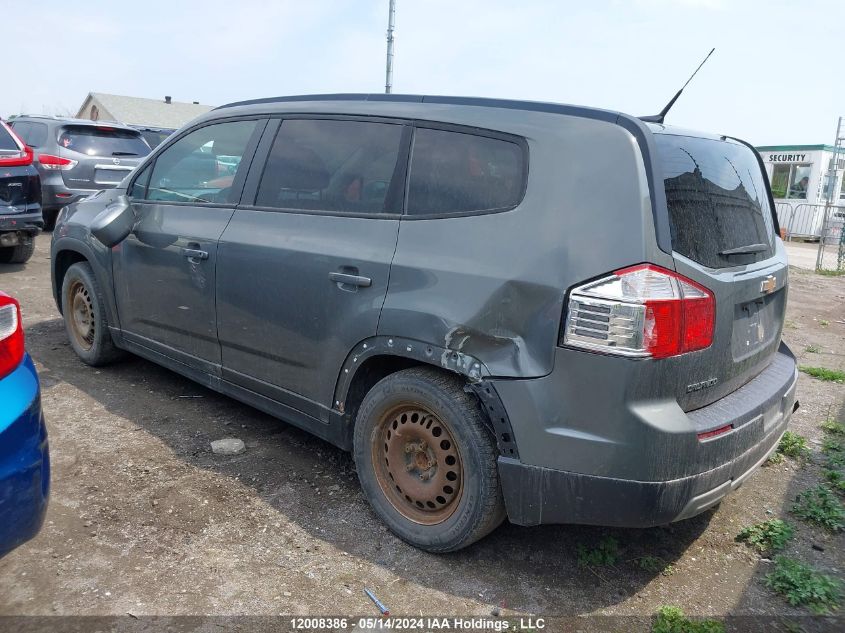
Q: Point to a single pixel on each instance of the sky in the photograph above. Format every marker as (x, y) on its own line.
(775, 78)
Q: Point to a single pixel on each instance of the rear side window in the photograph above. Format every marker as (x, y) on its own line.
(7, 143)
(453, 172)
(719, 212)
(33, 133)
(103, 141)
(343, 166)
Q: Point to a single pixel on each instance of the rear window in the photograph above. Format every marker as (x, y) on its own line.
(453, 172)
(719, 211)
(33, 133)
(103, 141)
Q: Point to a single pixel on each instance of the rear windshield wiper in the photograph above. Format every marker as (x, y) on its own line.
(124, 154)
(745, 250)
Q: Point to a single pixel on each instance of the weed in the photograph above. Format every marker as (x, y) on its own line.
(822, 373)
(824, 322)
(836, 479)
(655, 564)
(672, 620)
(834, 448)
(819, 505)
(830, 272)
(606, 553)
(833, 427)
(776, 458)
(790, 324)
(793, 445)
(813, 349)
(802, 585)
(768, 536)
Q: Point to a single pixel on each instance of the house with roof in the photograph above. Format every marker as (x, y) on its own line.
(139, 111)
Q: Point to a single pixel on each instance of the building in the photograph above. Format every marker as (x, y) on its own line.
(140, 112)
(799, 177)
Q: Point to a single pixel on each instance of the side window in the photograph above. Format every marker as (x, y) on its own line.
(454, 172)
(328, 165)
(138, 190)
(32, 133)
(201, 166)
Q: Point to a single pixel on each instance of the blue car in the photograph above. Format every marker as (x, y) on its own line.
(24, 455)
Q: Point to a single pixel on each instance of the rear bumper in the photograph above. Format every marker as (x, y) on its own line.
(57, 195)
(28, 220)
(24, 458)
(759, 411)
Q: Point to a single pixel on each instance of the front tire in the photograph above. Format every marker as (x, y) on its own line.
(83, 309)
(427, 461)
(18, 254)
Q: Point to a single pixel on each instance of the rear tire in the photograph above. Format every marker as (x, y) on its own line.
(83, 309)
(18, 254)
(427, 461)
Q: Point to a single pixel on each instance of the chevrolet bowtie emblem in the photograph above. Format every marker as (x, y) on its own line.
(768, 284)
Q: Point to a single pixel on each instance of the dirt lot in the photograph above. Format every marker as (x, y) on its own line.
(144, 519)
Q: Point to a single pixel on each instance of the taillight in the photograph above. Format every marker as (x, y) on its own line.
(11, 335)
(48, 161)
(641, 311)
(16, 159)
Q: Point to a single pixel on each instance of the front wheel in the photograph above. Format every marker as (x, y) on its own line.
(426, 460)
(83, 309)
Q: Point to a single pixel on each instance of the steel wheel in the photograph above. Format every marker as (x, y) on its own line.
(82, 319)
(418, 465)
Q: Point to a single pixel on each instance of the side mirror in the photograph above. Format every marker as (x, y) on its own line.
(114, 223)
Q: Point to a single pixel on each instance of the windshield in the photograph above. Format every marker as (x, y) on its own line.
(719, 211)
(103, 141)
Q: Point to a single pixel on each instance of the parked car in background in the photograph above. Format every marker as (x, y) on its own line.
(77, 157)
(154, 136)
(547, 312)
(24, 453)
(20, 199)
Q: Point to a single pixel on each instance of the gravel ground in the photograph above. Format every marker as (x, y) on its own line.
(144, 519)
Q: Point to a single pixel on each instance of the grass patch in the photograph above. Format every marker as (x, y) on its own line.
(802, 585)
(830, 272)
(819, 505)
(824, 322)
(793, 445)
(822, 373)
(832, 427)
(672, 620)
(834, 448)
(655, 564)
(606, 553)
(768, 536)
(813, 349)
(836, 479)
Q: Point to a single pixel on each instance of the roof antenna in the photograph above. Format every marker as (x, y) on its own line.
(658, 118)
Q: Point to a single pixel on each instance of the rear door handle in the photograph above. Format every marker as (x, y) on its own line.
(194, 253)
(352, 280)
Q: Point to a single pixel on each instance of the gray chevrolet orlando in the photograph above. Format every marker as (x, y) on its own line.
(536, 311)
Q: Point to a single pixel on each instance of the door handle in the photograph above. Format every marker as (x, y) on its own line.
(194, 253)
(352, 280)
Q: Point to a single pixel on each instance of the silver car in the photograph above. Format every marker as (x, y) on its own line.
(76, 157)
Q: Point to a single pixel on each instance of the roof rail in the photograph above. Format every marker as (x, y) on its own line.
(511, 104)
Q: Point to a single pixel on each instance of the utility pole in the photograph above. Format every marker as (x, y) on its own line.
(391, 22)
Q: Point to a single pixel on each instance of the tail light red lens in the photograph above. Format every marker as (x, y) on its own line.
(641, 311)
(48, 161)
(16, 159)
(11, 335)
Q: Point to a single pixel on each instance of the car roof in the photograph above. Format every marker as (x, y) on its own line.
(46, 118)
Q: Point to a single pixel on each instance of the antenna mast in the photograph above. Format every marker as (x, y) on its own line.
(391, 22)
(658, 118)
